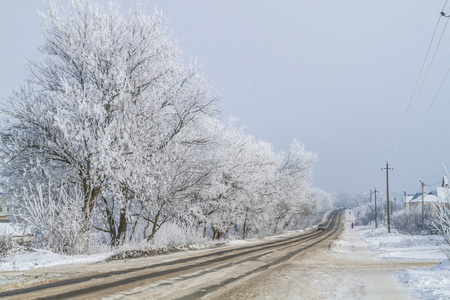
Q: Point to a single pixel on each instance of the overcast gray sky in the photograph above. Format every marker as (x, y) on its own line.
(338, 75)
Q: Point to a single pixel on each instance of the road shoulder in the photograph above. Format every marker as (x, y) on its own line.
(342, 269)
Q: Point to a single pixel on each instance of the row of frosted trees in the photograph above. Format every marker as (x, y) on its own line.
(113, 133)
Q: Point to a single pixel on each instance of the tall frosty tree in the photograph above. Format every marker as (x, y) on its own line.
(112, 133)
(111, 95)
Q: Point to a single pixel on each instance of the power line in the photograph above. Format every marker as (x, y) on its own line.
(437, 93)
(434, 55)
(443, 7)
(423, 65)
(434, 183)
(408, 113)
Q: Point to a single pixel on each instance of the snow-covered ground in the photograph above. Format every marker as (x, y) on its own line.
(8, 229)
(26, 260)
(20, 259)
(423, 283)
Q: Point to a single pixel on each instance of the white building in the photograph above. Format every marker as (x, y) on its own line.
(415, 202)
(439, 197)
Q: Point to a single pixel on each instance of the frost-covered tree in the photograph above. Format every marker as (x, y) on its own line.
(113, 122)
(313, 209)
(231, 180)
(441, 221)
(294, 182)
(239, 171)
(171, 182)
(111, 94)
(56, 219)
(255, 180)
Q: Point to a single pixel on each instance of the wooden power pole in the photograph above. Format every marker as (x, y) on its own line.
(376, 222)
(405, 198)
(422, 199)
(387, 195)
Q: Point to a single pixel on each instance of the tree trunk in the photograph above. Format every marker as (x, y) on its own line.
(244, 228)
(217, 234)
(90, 195)
(122, 229)
(204, 230)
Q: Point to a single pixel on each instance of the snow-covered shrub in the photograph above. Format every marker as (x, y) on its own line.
(57, 220)
(446, 251)
(5, 244)
(411, 222)
(365, 214)
(171, 234)
(441, 221)
(99, 242)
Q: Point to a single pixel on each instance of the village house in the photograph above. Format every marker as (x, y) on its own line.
(441, 197)
(16, 233)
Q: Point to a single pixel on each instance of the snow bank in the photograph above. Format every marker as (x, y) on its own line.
(428, 283)
(431, 283)
(26, 260)
(21, 259)
(399, 246)
(9, 230)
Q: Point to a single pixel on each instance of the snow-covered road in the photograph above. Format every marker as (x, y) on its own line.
(344, 269)
(187, 276)
(361, 263)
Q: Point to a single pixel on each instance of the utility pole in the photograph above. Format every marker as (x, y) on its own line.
(376, 222)
(405, 198)
(387, 196)
(422, 199)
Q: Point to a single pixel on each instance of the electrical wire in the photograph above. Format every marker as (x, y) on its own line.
(434, 183)
(408, 113)
(413, 137)
(422, 120)
(407, 116)
(415, 96)
(440, 87)
(434, 55)
(423, 65)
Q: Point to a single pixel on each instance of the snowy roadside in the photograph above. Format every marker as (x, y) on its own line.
(423, 283)
(20, 264)
(22, 259)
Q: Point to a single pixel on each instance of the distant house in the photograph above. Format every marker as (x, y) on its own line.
(415, 202)
(17, 233)
(4, 210)
(443, 195)
(408, 198)
(439, 197)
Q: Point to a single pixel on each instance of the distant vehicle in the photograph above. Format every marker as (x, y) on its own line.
(321, 227)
